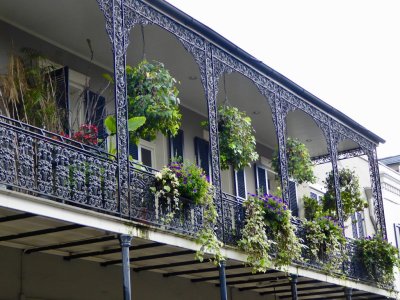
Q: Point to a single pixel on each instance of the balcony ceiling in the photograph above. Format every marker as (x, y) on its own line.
(69, 23)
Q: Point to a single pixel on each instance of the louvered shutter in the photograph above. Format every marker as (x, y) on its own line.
(261, 179)
(240, 184)
(293, 198)
(354, 226)
(95, 111)
(176, 145)
(360, 224)
(59, 78)
(397, 234)
(133, 150)
(202, 152)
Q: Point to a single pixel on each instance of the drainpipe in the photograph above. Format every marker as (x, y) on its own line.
(348, 292)
(125, 242)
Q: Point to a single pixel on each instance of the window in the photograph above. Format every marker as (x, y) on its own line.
(262, 183)
(144, 153)
(397, 235)
(202, 152)
(240, 184)
(176, 145)
(357, 224)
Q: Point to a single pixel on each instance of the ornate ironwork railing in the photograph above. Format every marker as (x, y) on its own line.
(44, 164)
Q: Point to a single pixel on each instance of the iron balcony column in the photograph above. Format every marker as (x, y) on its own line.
(348, 292)
(125, 241)
(222, 280)
(293, 285)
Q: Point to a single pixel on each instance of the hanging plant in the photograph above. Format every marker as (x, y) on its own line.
(349, 193)
(254, 241)
(237, 143)
(278, 219)
(300, 167)
(325, 243)
(185, 179)
(152, 93)
(379, 258)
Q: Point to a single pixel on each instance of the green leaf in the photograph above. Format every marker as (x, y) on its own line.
(135, 122)
(108, 77)
(111, 125)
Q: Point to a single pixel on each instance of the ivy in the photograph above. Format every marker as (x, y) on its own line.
(325, 243)
(152, 93)
(379, 258)
(349, 193)
(300, 166)
(237, 143)
(254, 241)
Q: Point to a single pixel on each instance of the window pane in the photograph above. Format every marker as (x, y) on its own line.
(146, 157)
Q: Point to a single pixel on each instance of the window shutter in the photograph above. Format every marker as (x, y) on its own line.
(397, 234)
(202, 152)
(293, 198)
(176, 145)
(261, 179)
(240, 184)
(60, 79)
(133, 150)
(95, 111)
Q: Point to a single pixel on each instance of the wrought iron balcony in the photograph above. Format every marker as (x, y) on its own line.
(39, 163)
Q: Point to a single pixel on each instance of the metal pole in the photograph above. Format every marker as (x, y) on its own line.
(348, 292)
(293, 285)
(222, 280)
(125, 241)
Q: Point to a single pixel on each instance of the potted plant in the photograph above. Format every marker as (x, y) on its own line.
(300, 167)
(237, 143)
(152, 93)
(379, 258)
(349, 193)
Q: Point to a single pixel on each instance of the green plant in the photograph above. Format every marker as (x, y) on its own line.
(349, 193)
(300, 166)
(152, 93)
(379, 258)
(237, 143)
(254, 241)
(312, 209)
(188, 180)
(325, 242)
(278, 219)
(110, 124)
(28, 93)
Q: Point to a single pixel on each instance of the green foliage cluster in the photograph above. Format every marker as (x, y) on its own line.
(349, 193)
(325, 242)
(237, 143)
(188, 180)
(379, 258)
(300, 166)
(278, 219)
(152, 93)
(254, 241)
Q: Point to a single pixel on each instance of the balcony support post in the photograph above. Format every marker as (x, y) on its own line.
(293, 285)
(332, 148)
(280, 124)
(348, 292)
(222, 280)
(125, 242)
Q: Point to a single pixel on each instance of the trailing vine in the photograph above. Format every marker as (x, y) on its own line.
(237, 143)
(254, 241)
(379, 258)
(349, 193)
(278, 219)
(300, 166)
(152, 93)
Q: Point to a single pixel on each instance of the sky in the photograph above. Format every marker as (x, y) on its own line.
(346, 52)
